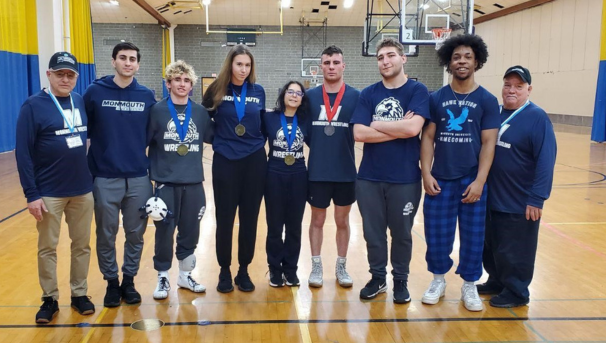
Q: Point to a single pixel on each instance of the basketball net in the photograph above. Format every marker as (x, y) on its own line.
(440, 35)
(314, 75)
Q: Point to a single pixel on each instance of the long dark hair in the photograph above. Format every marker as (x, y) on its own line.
(213, 97)
(303, 108)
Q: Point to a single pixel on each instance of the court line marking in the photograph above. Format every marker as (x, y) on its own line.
(12, 215)
(97, 322)
(528, 325)
(574, 241)
(303, 328)
(576, 223)
(320, 321)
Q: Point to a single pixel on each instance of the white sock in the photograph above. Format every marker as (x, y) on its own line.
(163, 274)
(438, 277)
(317, 257)
(469, 283)
(341, 259)
(184, 274)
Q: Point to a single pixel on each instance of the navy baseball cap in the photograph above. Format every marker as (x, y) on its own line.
(521, 71)
(63, 60)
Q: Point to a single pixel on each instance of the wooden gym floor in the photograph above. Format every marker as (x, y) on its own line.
(568, 295)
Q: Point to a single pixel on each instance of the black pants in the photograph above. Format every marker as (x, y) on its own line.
(510, 249)
(188, 204)
(238, 185)
(285, 196)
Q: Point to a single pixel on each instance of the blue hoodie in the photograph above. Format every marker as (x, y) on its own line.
(117, 124)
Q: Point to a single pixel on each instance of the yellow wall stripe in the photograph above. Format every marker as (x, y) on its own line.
(603, 33)
(81, 31)
(18, 28)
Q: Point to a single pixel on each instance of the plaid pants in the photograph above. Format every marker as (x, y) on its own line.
(441, 213)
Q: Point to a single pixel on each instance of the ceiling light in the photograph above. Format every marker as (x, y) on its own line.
(205, 2)
(285, 3)
(348, 3)
(114, 2)
(425, 6)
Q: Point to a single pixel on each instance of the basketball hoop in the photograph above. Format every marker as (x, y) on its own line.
(314, 73)
(440, 35)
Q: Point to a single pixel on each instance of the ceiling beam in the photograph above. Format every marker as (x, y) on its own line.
(510, 10)
(152, 11)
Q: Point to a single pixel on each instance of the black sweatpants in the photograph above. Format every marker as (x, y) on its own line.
(238, 185)
(510, 249)
(285, 196)
(188, 204)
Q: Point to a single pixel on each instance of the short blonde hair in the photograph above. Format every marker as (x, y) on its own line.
(180, 67)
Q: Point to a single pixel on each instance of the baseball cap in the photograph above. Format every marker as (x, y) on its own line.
(63, 60)
(523, 72)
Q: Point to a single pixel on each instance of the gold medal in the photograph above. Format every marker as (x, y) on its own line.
(182, 150)
(289, 160)
(240, 130)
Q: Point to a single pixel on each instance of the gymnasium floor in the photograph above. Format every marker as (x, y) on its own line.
(568, 295)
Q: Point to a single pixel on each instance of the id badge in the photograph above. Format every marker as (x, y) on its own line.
(74, 141)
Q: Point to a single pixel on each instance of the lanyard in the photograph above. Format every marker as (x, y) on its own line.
(73, 125)
(331, 111)
(240, 104)
(290, 138)
(514, 113)
(180, 127)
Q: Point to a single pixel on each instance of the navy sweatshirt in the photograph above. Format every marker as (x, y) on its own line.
(117, 128)
(46, 165)
(524, 159)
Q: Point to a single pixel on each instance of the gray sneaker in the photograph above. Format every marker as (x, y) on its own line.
(341, 273)
(315, 278)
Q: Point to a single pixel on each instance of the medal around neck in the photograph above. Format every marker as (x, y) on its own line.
(182, 150)
(329, 130)
(289, 160)
(240, 130)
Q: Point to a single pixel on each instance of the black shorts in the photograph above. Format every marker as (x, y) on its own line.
(319, 193)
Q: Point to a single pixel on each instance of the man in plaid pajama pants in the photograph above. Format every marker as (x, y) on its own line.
(463, 126)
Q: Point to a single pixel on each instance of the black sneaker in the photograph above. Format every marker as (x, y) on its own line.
(373, 288)
(48, 310)
(83, 305)
(225, 285)
(490, 287)
(129, 293)
(508, 300)
(113, 294)
(400, 292)
(244, 283)
(291, 279)
(275, 279)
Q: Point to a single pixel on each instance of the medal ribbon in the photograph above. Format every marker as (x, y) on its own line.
(290, 138)
(180, 127)
(514, 113)
(331, 111)
(73, 125)
(240, 104)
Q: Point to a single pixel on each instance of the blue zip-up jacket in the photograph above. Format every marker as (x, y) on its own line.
(117, 127)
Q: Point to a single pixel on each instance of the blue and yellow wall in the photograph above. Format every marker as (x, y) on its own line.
(598, 129)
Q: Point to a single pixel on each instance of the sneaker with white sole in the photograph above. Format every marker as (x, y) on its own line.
(341, 273)
(470, 297)
(374, 287)
(162, 288)
(186, 281)
(316, 277)
(436, 290)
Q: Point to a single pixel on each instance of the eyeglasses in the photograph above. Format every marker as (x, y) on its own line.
(61, 75)
(294, 92)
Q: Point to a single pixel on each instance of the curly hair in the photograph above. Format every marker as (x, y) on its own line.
(476, 43)
(303, 109)
(180, 67)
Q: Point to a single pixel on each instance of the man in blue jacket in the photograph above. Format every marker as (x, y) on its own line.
(520, 181)
(51, 160)
(118, 111)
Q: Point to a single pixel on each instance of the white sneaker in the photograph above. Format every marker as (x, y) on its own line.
(436, 290)
(470, 297)
(186, 281)
(341, 273)
(162, 288)
(315, 278)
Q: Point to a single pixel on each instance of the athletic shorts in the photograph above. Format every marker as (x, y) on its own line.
(319, 193)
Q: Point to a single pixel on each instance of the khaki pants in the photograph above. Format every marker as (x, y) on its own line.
(78, 216)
